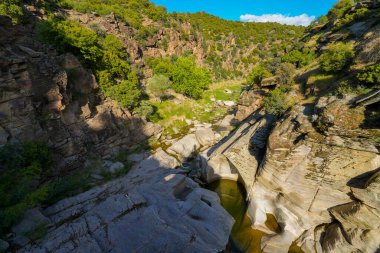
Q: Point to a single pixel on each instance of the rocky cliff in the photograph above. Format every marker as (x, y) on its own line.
(51, 97)
(314, 183)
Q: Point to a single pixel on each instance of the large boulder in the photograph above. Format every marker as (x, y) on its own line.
(205, 136)
(185, 147)
(219, 168)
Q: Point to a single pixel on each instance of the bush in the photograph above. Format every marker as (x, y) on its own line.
(298, 58)
(370, 75)
(12, 9)
(337, 57)
(126, 93)
(339, 9)
(257, 74)
(105, 55)
(145, 110)
(285, 73)
(158, 85)
(349, 18)
(275, 103)
(23, 167)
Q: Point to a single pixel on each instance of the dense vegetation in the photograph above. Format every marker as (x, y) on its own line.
(370, 75)
(11, 8)
(275, 102)
(185, 76)
(104, 54)
(23, 167)
(336, 57)
(130, 11)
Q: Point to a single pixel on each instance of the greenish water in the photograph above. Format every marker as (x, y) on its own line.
(243, 238)
(233, 198)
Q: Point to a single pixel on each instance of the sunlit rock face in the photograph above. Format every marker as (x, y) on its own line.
(314, 172)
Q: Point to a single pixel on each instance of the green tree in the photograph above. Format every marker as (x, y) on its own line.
(159, 85)
(336, 57)
(257, 74)
(105, 55)
(126, 92)
(189, 79)
(275, 103)
(298, 58)
(285, 73)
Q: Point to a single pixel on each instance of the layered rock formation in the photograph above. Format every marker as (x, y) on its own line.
(50, 97)
(317, 161)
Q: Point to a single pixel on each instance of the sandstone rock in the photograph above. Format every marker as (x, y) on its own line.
(249, 101)
(159, 159)
(205, 137)
(188, 122)
(185, 147)
(219, 103)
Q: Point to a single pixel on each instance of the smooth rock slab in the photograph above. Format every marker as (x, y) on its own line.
(152, 209)
(205, 137)
(185, 147)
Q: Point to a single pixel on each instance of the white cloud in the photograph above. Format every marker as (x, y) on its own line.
(303, 19)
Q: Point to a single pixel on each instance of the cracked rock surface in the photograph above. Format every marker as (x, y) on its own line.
(152, 209)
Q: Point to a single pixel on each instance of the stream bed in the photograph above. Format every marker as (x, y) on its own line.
(233, 198)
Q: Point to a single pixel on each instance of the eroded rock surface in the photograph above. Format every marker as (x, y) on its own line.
(316, 162)
(152, 209)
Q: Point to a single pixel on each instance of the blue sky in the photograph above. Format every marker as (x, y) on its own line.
(289, 11)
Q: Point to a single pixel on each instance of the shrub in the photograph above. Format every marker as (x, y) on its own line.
(158, 85)
(12, 9)
(337, 57)
(257, 74)
(298, 58)
(126, 93)
(285, 73)
(145, 110)
(275, 103)
(22, 166)
(339, 9)
(370, 75)
(349, 18)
